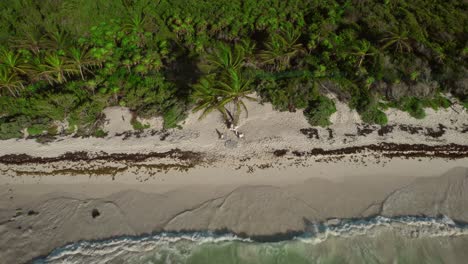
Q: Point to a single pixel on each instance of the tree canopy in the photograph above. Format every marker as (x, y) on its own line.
(69, 59)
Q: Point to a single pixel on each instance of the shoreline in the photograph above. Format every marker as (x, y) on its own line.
(281, 177)
(318, 233)
(273, 204)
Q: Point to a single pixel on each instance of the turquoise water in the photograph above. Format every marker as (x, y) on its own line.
(378, 240)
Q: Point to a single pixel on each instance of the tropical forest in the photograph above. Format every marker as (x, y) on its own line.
(67, 60)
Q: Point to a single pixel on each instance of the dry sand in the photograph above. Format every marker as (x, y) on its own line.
(240, 185)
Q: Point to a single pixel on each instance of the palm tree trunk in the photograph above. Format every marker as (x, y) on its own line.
(81, 73)
(231, 118)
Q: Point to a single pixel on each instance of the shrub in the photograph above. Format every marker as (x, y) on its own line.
(37, 129)
(52, 130)
(86, 116)
(12, 128)
(437, 102)
(100, 133)
(373, 115)
(286, 94)
(464, 102)
(173, 116)
(138, 125)
(413, 106)
(319, 110)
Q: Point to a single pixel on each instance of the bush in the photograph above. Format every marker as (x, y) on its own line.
(12, 128)
(437, 102)
(86, 116)
(286, 94)
(138, 125)
(100, 133)
(373, 115)
(173, 116)
(52, 130)
(413, 106)
(319, 110)
(37, 129)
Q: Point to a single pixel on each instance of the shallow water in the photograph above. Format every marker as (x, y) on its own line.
(377, 240)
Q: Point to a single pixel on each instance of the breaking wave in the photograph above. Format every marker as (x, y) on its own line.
(375, 240)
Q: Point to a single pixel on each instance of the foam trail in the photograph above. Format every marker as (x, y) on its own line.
(187, 248)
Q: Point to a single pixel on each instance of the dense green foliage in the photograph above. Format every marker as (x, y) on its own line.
(415, 106)
(319, 111)
(373, 115)
(69, 59)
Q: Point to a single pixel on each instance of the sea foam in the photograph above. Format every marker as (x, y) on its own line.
(181, 245)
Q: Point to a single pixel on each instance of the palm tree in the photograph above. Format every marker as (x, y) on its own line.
(56, 69)
(223, 58)
(225, 95)
(12, 61)
(281, 49)
(362, 50)
(57, 40)
(31, 41)
(82, 60)
(135, 22)
(207, 98)
(232, 89)
(223, 86)
(400, 40)
(10, 81)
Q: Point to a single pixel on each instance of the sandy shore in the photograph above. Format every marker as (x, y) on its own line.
(281, 177)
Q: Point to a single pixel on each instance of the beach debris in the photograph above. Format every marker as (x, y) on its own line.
(330, 133)
(220, 135)
(436, 133)
(365, 130)
(280, 152)
(231, 144)
(235, 130)
(333, 222)
(386, 129)
(411, 129)
(310, 132)
(32, 212)
(95, 213)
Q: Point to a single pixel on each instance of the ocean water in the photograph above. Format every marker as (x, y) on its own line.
(377, 240)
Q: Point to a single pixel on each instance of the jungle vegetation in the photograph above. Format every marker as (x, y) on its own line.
(69, 59)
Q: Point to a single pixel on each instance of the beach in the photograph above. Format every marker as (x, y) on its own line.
(280, 178)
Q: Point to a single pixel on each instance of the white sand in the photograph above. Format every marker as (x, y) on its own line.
(264, 129)
(245, 189)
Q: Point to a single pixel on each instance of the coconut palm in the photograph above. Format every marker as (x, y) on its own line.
(55, 69)
(12, 61)
(10, 81)
(82, 60)
(232, 89)
(32, 41)
(226, 94)
(400, 40)
(135, 21)
(281, 49)
(56, 40)
(223, 58)
(362, 50)
(207, 98)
